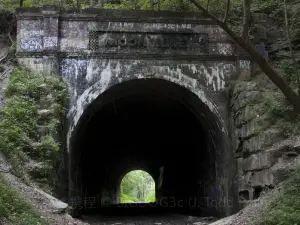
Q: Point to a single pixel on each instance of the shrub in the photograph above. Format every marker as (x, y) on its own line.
(285, 209)
(21, 125)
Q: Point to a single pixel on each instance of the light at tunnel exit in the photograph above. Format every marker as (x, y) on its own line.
(137, 186)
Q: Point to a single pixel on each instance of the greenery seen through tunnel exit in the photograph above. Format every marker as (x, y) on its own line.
(137, 186)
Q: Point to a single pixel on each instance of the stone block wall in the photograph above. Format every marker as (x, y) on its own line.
(260, 148)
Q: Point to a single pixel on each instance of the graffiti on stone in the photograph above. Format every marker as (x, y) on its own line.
(31, 33)
(71, 44)
(216, 74)
(31, 44)
(170, 26)
(244, 64)
(73, 67)
(74, 71)
(120, 25)
(225, 49)
(50, 42)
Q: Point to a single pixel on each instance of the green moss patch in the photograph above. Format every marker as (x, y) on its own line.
(285, 209)
(29, 129)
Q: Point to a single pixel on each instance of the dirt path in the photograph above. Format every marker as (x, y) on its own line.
(164, 219)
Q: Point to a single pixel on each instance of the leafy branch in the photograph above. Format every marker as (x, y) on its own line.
(243, 42)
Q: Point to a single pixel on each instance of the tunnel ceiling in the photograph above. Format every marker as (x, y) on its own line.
(147, 124)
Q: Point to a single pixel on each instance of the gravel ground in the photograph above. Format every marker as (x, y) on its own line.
(45, 208)
(164, 219)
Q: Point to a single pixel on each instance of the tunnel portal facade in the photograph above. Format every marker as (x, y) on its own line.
(147, 91)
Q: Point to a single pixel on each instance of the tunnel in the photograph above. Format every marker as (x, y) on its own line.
(159, 127)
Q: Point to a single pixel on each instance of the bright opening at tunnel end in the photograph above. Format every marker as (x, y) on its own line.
(137, 186)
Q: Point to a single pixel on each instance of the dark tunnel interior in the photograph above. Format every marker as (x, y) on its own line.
(146, 125)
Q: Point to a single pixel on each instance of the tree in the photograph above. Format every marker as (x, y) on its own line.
(290, 45)
(244, 42)
(137, 186)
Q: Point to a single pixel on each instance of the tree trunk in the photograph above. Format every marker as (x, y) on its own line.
(288, 92)
(246, 18)
(291, 46)
(152, 4)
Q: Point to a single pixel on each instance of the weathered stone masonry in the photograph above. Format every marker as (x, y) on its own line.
(96, 50)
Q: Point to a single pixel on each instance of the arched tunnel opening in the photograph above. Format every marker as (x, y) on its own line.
(137, 186)
(159, 127)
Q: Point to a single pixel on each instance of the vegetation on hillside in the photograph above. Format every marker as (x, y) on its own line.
(23, 116)
(137, 186)
(29, 128)
(285, 209)
(14, 209)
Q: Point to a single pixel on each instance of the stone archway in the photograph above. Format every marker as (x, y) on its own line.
(205, 149)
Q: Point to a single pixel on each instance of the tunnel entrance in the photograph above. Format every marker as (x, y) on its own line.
(137, 186)
(159, 127)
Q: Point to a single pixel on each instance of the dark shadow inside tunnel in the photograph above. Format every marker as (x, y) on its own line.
(156, 126)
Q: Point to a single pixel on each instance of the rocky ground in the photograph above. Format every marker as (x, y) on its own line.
(164, 219)
(54, 210)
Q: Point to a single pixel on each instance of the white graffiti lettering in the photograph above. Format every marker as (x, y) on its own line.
(50, 42)
(27, 33)
(73, 68)
(73, 44)
(167, 26)
(121, 25)
(31, 44)
(216, 74)
(225, 49)
(244, 64)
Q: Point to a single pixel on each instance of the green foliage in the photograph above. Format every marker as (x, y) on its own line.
(266, 6)
(128, 199)
(285, 209)
(150, 198)
(13, 4)
(15, 209)
(281, 113)
(137, 186)
(287, 69)
(172, 5)
(25, 83)
(20, 126)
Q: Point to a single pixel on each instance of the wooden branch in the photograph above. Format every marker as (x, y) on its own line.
(4, 171)
(226, 12)
(246, 19)
(5, 72)
(4, 56)
(207, 5)
(288, 92)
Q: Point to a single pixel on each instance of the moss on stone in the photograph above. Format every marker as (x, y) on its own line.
(24, 132)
